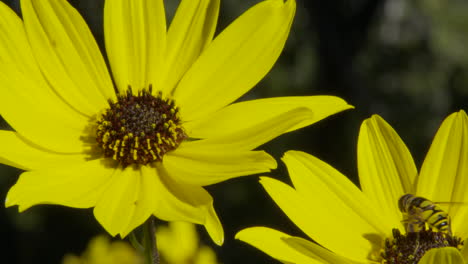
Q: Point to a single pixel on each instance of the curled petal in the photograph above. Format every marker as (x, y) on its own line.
(239, 116)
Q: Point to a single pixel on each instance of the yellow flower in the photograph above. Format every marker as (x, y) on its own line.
(102, 251)
(353, 225)
(178, 243)
(168, 127)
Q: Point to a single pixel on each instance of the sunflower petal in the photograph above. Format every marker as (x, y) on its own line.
(233, 117)
(43, 126)
(308, 173)
(252, 137)
(14, 46)
(446, 255)
(198, 167)
(386, 168)
(236, 60)
(19, 153)
(116, 206)
(315, 251)
(190, 203)
(326, 228)
(135, 34)
(272, 243)
(146, 202)
(191, 30)
(78, 185)
(25, 93)
(68, 55)
(464, 250)
(443, 176)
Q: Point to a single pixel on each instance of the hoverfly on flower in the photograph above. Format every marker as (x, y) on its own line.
(420, 212)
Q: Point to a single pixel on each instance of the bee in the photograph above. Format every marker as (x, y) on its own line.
(420, 212)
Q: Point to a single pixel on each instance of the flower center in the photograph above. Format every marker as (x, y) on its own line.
(139, 129)
(410, 248)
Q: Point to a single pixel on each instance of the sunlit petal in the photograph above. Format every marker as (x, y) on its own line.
(67, 54)
(254, 136)
(135, 35)
(25, 93)
(386, 168)
(78, 185)
(116, 206)
(242, 115)
(146, 201)
(446, 255)
(317, 252)
(201, 167)
(272, 243)
(309, 173)
(191, 30)
(322, 219)
(183, 202)
(17, 152)
(443, 176)
(236, 60)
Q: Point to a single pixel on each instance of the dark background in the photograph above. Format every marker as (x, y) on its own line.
(404, 60)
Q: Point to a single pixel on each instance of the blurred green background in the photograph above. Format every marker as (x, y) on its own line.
(404, 60)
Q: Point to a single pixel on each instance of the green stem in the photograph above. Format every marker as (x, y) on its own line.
(151, 251)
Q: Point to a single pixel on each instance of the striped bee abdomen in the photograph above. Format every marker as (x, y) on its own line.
(419, 212)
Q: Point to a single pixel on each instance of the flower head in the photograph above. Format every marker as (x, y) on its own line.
(101, 250)
(179, 243)
(148, 144)
(367, 226)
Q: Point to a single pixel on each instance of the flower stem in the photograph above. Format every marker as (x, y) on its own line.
(151, 250)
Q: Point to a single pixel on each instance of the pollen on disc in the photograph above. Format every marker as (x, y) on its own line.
(139, 129)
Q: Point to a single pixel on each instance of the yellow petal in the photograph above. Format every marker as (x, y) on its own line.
(146, 202)
(199, 167)
(27, 102)
(17, 152)
(14, 46)
(190, 203)
(464, 250)
(116, 206)
(252, 137)
(322, 219)
(67, 54)
(316, 252)
(51, 126)
(386, 168)
(272, 243)
(309, 173)
(190, 32)
(233, 117)
(236, 60)
(446, 255)
(135, 36)
(78, 185)
(443, 176)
